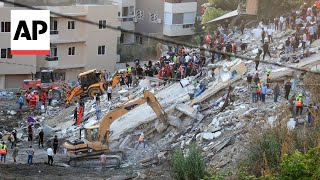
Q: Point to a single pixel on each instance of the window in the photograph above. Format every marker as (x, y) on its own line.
(188, 26)
(101, 50)
(153, 18)
(177, 18)
(54, 27)
(53, 54)
(6, 53)
(5, 26)
(71, 51)
(102, 24)
(189, 18)
(127, 11)
(139, 40)
(167, 18)
(139, 14)
(71, 25)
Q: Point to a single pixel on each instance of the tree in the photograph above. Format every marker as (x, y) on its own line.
(226, 5)
(211, 13)
(272, 8)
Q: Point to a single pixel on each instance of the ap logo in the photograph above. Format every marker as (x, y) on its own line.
(30, 32)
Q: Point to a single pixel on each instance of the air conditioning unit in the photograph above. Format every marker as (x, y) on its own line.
(159, 21)
(135, 19)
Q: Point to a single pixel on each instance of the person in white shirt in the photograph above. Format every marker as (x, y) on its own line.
(270, 32)
(187, 58)
(309, 18)
(109, 91)
(281, 20)
(304, 41)
(50, 156)
(311, 30)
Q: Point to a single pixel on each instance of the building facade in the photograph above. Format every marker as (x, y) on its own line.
(172, 18)
(75, 46)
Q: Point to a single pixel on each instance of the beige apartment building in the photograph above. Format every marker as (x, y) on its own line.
(75, 46)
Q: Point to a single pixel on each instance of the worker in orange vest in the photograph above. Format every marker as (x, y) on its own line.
(299, 104)
(80, 112)
(33, 101)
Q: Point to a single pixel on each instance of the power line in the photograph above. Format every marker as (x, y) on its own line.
(169, 41)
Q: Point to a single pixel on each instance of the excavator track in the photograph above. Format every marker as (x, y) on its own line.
(92, 160)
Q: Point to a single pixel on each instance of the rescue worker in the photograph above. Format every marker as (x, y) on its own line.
(254, 89)
(3, 152)
(141, 140)
(80, 112)
(30, 133)
(33, 101)
(259, 97)
(268, 76)
(276, 92)
(287, 88)
(55, 144)
(50, 95)
(38, 106)
(299, 104)
(44, 98)
(41, 135)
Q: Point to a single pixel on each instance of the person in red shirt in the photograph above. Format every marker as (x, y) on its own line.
(44, 98)
(33, 101)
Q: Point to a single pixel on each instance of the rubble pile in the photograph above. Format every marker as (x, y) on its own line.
(218, 119)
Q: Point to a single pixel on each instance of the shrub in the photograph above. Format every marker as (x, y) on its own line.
(301, 166)
(189, 167)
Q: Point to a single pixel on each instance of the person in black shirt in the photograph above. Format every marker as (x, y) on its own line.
(55, 144)
(263, 35)
(41, 135)
(287, 45)
(266, 50)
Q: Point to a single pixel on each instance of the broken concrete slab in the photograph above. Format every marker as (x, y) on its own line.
(213, 90)
(186, 109)
(291, 124)
(175, 122)
(208, 136)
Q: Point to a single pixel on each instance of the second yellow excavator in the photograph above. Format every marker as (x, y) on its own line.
(94, 140)
(91, 83)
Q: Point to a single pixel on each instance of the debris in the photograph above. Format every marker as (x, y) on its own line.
(291, 124)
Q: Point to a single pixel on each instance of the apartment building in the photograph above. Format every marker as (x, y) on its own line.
(173, 18)
(75, 46)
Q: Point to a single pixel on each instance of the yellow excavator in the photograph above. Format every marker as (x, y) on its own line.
(94, 140)
(91, 83)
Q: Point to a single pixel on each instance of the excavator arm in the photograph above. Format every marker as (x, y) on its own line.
(123, 109)
(77, 90)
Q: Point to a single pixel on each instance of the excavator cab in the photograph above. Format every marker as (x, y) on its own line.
(47, 76)
(88, 79)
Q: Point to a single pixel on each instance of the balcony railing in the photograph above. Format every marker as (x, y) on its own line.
(54, 32)
(126, 19)
(48, 58)
(179, 1)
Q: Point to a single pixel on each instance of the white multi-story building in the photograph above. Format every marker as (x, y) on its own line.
(75, 46)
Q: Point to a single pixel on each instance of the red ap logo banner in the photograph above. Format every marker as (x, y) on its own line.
(30, 32)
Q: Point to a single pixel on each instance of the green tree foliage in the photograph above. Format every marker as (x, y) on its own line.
(211, 13)
(272, 8)
(226, 5)
(301, 166)
(189, 167)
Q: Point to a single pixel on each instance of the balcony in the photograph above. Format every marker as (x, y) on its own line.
(189, 6)
(180, 1)
(48, 58)
(178, 30)
(127, 23)
(52, 32)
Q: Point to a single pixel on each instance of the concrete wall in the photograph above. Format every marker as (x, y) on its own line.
(15, 81)
(145, 25)
(105, 37)
(177, 30)
(2, 81)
